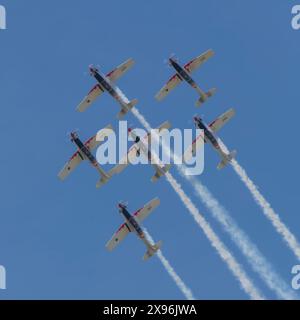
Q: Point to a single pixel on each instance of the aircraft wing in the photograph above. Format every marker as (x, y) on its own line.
(171, 84)
(120, 70)
(70, 165)
(191, 150)
(198, 61)
(222, 120)
(94, 141)
(143, 213)
(120, 234)
(91, 97)
(165, 125)
(124, 162)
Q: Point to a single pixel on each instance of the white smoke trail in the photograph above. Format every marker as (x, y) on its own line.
(179, 282)
(224, 253)
(257, 261)
(268, 211)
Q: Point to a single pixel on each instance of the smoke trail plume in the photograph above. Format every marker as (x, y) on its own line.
(257, 261)
(179, 282)
(268, 211)
(224, 253)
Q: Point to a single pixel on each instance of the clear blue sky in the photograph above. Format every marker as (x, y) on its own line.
(52, 234)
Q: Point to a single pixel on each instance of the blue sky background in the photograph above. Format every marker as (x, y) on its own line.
(52, 234)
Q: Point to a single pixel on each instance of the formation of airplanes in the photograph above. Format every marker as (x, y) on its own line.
(106, 83)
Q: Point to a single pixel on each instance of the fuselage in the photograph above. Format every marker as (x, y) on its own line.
(133, 224)
(182, 73)
(141, 146)
(146, 151)
(105, 84)
(84, 152)
(208, 134)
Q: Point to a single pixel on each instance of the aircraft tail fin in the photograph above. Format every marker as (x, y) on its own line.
(152, 250)
(105, 177)
(227, 158)
(167, 167)
(132, 103)
(208, 94)
(160, 173)
(127, 108)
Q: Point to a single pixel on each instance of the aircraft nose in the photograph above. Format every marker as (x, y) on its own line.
(92, 69)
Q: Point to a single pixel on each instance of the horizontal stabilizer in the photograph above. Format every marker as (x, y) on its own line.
(203, 98)
(127, 108)
(165, 125)
(160, 173)
(227, 159)
(105, 177)
(152, 250)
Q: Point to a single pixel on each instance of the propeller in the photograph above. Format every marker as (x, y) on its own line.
(167, 61)
(197, 116)
(123, 203)
(172, 55)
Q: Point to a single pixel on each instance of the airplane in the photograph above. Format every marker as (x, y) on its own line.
(132, 224)
(106, 83)
(209, 136)
(84, 152)
(139, 147)
(183, 73)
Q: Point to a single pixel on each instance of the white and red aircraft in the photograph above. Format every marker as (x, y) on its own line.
(141, 147)
(131, 224)
(183, 73)
(84, 152)
(106, 83)
(209, 136)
